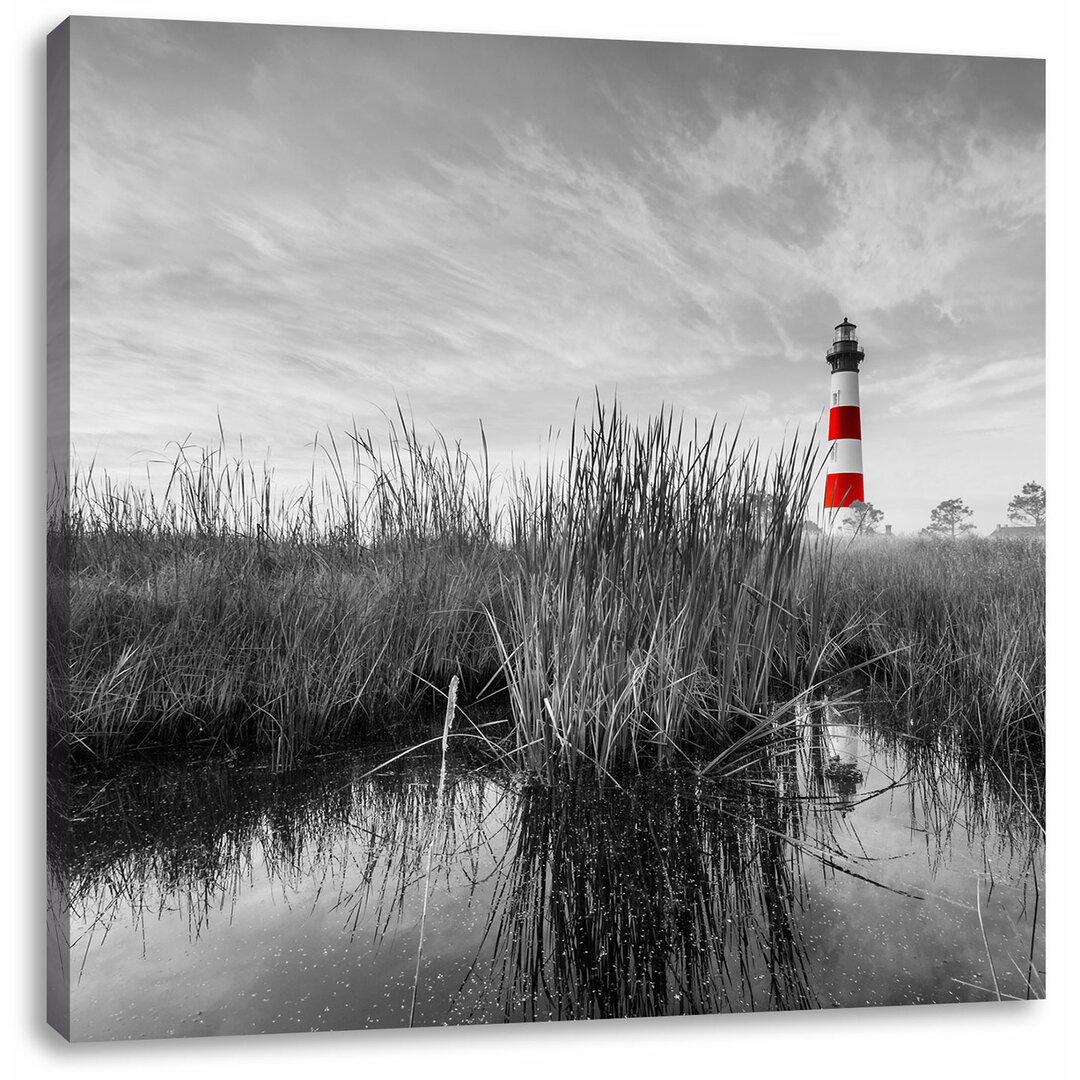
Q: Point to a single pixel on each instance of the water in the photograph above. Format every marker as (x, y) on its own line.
(856, 868)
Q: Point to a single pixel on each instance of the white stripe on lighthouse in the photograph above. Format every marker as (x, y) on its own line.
(844, 388)
(845, 455)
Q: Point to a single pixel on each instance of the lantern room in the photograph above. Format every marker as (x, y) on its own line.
(845, 354)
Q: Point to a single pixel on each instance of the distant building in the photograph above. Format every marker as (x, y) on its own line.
(1019, 532)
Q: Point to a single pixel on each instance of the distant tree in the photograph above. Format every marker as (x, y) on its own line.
(764, 506)
(1029, 507)
(948, 518)
(864, 517)
(811, 528)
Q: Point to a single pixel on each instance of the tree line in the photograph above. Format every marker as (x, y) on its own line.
(951, 517)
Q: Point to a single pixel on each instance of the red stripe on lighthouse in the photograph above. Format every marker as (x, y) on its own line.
(844, 423)
(843, 488)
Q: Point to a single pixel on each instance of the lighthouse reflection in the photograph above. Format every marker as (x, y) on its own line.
(835, 750)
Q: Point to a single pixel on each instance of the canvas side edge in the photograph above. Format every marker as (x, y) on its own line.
(58, 443)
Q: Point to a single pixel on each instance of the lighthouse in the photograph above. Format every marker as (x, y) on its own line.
(844, 477)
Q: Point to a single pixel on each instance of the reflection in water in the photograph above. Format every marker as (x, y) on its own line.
(837, 743)
(666, 898)
(849, 867)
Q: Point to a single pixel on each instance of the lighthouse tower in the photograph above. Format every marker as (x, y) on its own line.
(844, 479)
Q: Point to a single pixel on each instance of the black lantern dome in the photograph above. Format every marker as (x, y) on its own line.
(845, 354)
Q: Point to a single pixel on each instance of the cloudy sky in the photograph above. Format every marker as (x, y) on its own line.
(290, 228)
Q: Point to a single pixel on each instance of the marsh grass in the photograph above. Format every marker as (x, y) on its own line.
(223, 612)
(647, 595)
(954, 633)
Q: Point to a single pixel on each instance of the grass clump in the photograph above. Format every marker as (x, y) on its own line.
(653, 596)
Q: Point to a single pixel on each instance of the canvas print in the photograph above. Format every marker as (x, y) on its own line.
(539, 529)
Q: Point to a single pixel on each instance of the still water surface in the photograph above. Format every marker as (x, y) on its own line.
(858, 869)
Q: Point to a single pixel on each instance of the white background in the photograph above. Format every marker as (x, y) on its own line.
(982, 1040)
